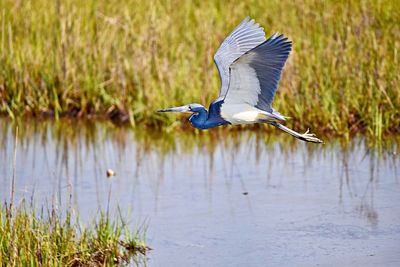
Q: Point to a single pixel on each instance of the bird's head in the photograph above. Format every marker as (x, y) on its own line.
(192, 108)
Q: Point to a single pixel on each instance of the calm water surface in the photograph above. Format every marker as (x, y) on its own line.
(219, 199)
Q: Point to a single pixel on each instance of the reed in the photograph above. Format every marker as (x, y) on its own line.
(47, 238)
(125, 59)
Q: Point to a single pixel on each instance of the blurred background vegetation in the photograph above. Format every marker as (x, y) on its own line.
(125, 59)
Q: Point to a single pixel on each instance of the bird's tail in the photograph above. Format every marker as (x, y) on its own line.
(268, 117)
(279, 115)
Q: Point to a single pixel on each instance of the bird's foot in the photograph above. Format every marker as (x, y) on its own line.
(310, 137)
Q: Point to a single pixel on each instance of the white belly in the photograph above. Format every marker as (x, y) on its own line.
(239, 113)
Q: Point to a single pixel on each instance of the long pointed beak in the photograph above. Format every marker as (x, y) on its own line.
(177, 109)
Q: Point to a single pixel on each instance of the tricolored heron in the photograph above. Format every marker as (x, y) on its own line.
(250, 67)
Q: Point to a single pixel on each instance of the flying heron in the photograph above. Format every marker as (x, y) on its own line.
(250, 67)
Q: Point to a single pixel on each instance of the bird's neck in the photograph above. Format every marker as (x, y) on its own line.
(199, 119)
(202, 120)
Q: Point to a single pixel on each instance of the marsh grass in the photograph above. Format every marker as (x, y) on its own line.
(48, 238)
(52, 238)
(126, 59)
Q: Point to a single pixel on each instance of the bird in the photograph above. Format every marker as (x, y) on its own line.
(250, 67)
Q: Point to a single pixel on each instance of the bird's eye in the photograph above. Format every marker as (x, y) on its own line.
(190, 107)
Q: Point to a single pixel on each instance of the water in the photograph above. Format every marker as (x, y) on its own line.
(237, 199)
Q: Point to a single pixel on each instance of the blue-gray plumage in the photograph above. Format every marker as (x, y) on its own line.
(268, 64)
(250, 68)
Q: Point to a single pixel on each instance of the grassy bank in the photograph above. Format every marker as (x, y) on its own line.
(29, 238)
(125, 59)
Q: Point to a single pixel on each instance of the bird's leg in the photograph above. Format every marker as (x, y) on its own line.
(308, 137)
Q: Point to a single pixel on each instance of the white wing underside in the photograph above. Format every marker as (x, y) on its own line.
(242, 39)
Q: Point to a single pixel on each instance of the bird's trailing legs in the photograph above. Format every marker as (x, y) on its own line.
(307, 136)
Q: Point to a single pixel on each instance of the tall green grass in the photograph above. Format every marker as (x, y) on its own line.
(47, 238)
(126, 59)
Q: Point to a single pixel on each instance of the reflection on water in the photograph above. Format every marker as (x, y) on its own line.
(219, 199)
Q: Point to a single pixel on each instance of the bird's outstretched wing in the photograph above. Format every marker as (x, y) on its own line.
(243, 38)
(254, 77)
